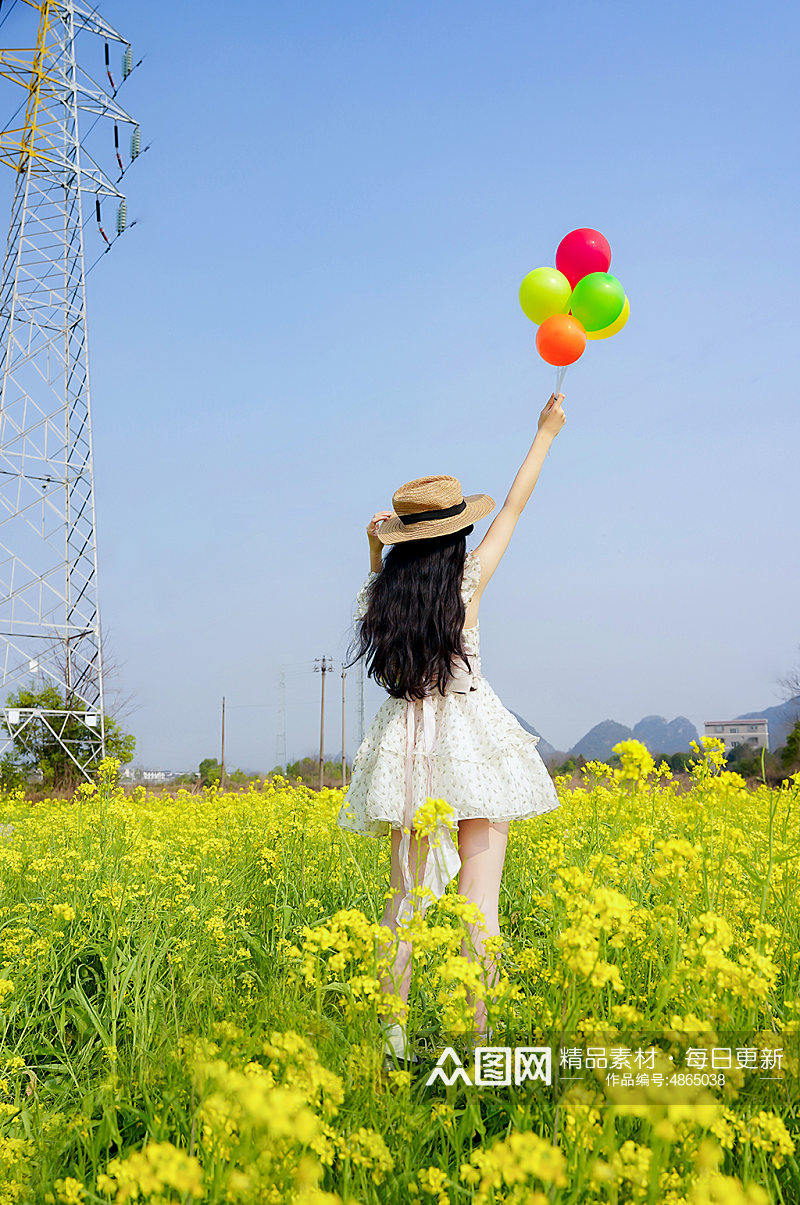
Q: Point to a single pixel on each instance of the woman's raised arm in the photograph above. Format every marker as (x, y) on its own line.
(494, 543)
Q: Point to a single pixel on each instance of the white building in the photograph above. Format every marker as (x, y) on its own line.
(739, 732)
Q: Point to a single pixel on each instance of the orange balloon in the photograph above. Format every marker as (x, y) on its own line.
(561, 339)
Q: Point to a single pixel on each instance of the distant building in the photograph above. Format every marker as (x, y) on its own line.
(739, 732)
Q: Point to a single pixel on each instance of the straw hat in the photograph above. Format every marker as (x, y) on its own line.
(432, 506)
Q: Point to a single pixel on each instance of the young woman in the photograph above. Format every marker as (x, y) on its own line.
(442, 733)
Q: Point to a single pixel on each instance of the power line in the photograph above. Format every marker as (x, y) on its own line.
(8, 13)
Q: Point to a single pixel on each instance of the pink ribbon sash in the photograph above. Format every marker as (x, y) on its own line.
(442, 863)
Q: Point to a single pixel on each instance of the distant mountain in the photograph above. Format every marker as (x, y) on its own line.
(654, 731)
(780, 720)
(544, 748)
(662, 737)
(598, 743)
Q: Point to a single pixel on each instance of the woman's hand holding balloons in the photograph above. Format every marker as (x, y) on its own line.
(552, 418)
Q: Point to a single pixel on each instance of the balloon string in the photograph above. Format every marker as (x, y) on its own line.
(560, 374)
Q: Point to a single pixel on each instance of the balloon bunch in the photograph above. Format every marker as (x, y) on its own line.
(577, 300)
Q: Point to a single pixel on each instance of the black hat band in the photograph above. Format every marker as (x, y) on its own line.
(434, 514)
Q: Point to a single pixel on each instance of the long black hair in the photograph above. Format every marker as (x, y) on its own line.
(411, 632)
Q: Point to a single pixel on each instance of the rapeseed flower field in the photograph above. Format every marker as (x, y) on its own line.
(190, 1002)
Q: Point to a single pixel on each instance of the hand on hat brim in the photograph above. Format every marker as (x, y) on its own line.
(379, 517)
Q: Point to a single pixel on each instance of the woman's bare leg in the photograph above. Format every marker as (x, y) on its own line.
(398, 979)
(482, 849)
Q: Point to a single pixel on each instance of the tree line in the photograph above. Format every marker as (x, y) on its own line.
(37, 756)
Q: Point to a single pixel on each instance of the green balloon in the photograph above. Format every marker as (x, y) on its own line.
(597, 300)
(544, 292)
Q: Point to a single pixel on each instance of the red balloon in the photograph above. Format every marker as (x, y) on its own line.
(581, 252)
(561, 340)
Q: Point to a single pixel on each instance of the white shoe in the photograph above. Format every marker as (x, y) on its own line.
(396, 1047)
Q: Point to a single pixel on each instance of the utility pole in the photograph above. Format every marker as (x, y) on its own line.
(222, 775)
(280, 740)
(325, 667)
(360, 700)
(344, 759)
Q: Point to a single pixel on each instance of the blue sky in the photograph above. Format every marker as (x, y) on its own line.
(318, 302)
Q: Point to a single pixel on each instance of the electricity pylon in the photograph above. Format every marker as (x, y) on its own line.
(49, 614)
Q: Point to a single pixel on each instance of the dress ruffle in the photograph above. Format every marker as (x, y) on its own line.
(484, 765)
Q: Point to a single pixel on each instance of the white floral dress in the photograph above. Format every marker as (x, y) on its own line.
(465, 748)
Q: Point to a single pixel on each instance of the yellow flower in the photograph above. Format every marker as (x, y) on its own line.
(716, 1189)
(710, 758)
(514, 1160)
(431, 814)
(637, 762)
(433, 1181)
(70, 1191)
(159, 1166)
(767, 1132)
(366, 1148)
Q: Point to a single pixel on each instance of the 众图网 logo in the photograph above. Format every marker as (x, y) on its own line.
(499, 1066)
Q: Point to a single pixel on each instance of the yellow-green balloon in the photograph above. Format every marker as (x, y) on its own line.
(615, 326)
(544, 292)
